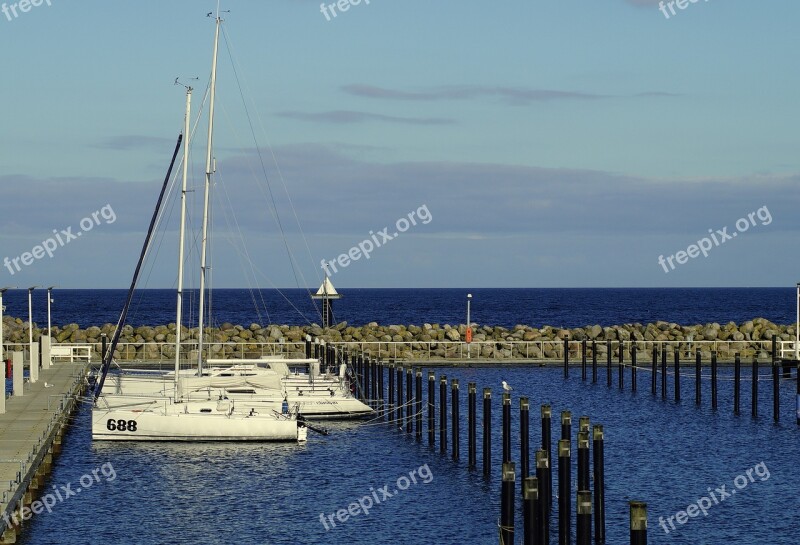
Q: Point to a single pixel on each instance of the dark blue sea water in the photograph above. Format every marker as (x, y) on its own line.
(503, 307)
(667, 454)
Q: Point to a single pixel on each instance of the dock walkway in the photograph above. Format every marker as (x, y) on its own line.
(30, 434)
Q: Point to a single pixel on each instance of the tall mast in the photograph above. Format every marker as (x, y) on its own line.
(209, 173)
(182, 237)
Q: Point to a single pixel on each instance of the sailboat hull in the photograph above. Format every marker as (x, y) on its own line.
(176, 425)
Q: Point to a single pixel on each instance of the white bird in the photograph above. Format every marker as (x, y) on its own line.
(48, 385)
(506, 387)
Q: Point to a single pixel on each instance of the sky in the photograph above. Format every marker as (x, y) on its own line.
(438, 143)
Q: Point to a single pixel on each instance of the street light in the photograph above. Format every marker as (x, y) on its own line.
(49, 300)
(469, 325)
(797, 332)
(2, 309)
(30, 320)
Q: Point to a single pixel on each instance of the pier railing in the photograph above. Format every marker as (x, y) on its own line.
(420, 350)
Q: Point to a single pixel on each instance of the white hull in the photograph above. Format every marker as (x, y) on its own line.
(192, 421)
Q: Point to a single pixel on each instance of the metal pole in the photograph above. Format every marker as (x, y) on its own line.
(49, 300)
(469, 300)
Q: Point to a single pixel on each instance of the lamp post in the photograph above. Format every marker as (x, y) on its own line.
(49, 300)
(2, 309)
(797, 327)
(30, 319)
(469, 325)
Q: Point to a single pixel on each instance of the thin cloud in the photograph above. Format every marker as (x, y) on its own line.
(511, 95)
(134, 142)
(344, 117)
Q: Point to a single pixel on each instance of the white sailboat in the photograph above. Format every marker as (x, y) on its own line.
(174, 414)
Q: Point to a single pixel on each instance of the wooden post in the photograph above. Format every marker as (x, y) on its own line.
(584, 531)
(633, 367)
(664, 373)
(431, 408)
(566, 358)
(714, 379)
(543, 476)
(508, 494)
(564, 491)
(418, 404)
(566, 425)
(599, 485)
(471, 426)
(698, 391)
(638, 523)
(594, 362)
(409, 399)
(737, 377)
(391, 393)
(755, 388)
(487, 432)
(506, 427)
(654, 372)
(608, 363)
(583, 359)
(776, 393)
(583, 460)
(524, 439)
(547, 486)
(621, 367)
(456, 423)
(677, 360)
(400, 377)
(443, 414)
(530, 511)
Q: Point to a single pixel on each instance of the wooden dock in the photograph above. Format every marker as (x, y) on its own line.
(30, 435)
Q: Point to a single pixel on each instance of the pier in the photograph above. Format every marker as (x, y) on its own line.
(31, 429)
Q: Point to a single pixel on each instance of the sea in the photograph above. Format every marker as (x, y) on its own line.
(737, 474)
(569, 308)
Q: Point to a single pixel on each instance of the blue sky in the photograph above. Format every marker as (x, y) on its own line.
(554, 144)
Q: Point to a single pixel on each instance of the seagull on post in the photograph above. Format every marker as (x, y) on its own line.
(506, 387)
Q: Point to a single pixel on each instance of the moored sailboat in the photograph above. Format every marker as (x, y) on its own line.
(179, 415)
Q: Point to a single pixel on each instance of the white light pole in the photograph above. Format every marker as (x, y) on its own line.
(797, 327)
(2, 309)
(49, 300)
(469, 325)
(30, 319)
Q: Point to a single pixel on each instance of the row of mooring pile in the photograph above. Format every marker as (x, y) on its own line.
(405, 409)
(678, 370)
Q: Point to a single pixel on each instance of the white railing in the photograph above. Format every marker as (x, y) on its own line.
(430, 350)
